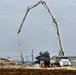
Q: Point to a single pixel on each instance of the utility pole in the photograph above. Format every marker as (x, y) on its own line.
(32, 56)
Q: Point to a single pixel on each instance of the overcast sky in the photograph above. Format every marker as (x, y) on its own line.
(38, 32)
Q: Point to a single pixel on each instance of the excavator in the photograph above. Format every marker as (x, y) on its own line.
(55, 23)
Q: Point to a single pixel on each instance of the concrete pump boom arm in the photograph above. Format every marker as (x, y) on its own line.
(61, 51)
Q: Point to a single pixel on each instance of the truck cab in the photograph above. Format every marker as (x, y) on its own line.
(64, 61)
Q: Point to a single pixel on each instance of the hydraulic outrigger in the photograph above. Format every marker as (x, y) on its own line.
(55, 23)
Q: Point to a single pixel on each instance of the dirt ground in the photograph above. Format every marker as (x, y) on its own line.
(37, 71)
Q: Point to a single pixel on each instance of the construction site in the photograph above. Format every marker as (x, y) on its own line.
(43, 63)
(43, 60)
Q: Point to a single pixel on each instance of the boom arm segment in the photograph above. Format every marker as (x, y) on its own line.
(28, 8)
(55, 23)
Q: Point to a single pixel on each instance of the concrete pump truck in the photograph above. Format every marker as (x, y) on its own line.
(57, 59)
